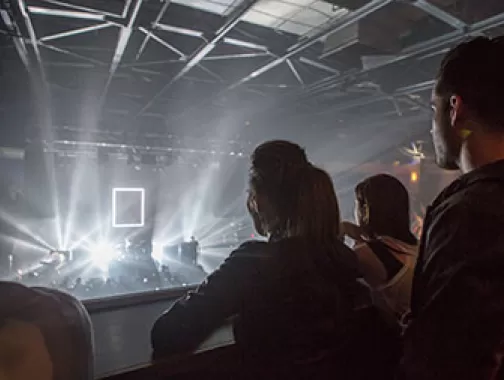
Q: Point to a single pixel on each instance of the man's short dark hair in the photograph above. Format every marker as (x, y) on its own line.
(474, 70)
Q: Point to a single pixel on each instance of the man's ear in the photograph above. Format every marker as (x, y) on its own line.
(260, 202)
(252, 204)
(456, 109)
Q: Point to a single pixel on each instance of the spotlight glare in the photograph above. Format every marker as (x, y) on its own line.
(157, 252)
(102, 254)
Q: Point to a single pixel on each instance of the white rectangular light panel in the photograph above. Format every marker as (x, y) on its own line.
(128, 207)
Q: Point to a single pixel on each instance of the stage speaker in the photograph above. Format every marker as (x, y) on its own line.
(37, 181)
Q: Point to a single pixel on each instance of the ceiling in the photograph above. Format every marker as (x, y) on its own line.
(300, 17)
(162, 73)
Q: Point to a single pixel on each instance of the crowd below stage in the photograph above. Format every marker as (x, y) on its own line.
(304, 305)
(98, 287)
(132, 271)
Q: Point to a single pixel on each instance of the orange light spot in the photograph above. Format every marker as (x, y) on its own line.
(414, 177)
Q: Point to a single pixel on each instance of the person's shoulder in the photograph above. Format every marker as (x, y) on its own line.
(251, 249)
(454, 213)
(248, 257)
(269, 249)
(473, 214)
(480, 198)
(252, 245)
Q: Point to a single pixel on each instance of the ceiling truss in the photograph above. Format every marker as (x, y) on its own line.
(145, 33)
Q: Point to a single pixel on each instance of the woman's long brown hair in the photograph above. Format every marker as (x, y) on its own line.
(300, 196)
(385, 202)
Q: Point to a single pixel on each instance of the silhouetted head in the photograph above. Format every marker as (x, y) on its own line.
(467, 97)
(288, 196)
(382, 208)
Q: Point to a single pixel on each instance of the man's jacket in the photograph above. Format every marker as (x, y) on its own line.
(457, 309)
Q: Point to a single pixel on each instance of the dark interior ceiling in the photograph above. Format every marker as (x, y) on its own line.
(151, 70)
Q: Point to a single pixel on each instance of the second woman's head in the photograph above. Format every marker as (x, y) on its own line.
(288, 196)
(382, 208)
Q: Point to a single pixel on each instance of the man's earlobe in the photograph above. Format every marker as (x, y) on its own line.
(465, 133)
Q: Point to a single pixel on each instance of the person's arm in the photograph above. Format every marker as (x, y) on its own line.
(352, 230)
(191, 319)
(456, 330)
(371, 268)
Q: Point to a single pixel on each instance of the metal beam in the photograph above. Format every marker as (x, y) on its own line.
(407, 90)
(179, 30)
(122, 43)
(80, 8)
(440, 14)
(126, 8)
(75, 32)
(159, 40)
(65, 13)
(151, 63)
(244, 44)
(71, 54)
(344, 22)
(211, 73)
(201, 35)
(408, 53)
(158, 18)
(233, 19)
(70, 64)
(235, 56)
(18, 40)
(303, 44)
(295, 72)
(41, 87)
(32, 37)
(318, 65)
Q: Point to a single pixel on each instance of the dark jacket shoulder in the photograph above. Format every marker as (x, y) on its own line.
(457, 289)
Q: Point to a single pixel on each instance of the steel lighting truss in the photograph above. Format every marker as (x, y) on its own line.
(141, 24)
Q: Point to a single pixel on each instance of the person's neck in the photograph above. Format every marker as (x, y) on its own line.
(480, 149)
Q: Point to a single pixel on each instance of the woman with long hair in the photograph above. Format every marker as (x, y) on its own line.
(289, 298)
(385, 246)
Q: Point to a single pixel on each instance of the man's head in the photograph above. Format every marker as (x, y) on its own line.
(467, 98)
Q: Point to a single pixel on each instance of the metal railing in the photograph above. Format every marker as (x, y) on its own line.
(97, 305)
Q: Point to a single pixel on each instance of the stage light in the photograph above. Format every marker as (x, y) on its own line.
(65, 253)
(115, 195)
(102, 254)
